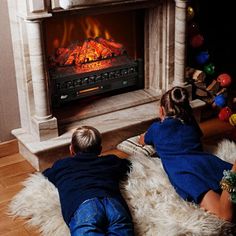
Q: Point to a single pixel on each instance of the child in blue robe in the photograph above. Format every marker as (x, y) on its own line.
(89, 187)
(195, 174)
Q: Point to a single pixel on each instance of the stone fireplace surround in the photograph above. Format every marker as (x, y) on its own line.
(43, 137)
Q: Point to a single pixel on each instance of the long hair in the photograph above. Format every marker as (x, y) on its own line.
(86, 139)
(176, 104)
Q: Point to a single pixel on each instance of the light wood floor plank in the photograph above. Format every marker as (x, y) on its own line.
(9, 148)
(11, 159)
(7, 193)
(8, 182)
(9, 223)
(14, 169)
(17, 232)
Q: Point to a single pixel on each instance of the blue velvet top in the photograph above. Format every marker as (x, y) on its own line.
(86, 176)
(191, 171)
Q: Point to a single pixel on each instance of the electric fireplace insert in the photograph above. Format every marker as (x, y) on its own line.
(91, 55)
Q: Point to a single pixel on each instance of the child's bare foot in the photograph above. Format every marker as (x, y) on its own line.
(234, 167)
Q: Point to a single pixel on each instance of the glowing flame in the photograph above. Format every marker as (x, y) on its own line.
(89, 28)
(97, 50)
(68, 29)
(92, 54)
(93, 28)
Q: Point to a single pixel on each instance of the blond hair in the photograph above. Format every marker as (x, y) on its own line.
(86, 139)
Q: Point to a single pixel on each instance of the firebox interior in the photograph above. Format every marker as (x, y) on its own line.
(94, 55)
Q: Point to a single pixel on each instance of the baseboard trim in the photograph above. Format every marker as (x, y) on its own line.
(9, 148)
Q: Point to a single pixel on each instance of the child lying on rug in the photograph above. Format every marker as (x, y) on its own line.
(88, 186)
(197, 176)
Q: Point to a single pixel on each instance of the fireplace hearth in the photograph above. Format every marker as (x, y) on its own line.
(53, 93)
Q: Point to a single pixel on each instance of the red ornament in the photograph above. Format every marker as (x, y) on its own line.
(224, 114)
(224, 79)
(197, 41)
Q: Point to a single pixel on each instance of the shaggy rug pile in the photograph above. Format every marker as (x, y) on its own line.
(156, 208)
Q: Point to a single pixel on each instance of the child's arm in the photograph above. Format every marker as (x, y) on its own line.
(49, 173)
(141, 139)
(147, 137)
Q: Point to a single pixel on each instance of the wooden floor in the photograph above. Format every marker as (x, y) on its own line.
(14, 169)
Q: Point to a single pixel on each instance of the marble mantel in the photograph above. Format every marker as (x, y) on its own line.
(41, 134)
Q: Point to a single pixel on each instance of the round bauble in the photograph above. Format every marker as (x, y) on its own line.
(197, 41)
(190, 13)
(224, 80)
(232, 119)
(220, 100)
(224, 114)
(209, 69)
(202, 57)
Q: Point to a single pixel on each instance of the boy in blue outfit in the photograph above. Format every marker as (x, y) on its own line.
(88, 186)
(197, 176)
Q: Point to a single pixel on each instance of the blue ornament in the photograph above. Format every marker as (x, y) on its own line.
(220, 100)
(202, 57)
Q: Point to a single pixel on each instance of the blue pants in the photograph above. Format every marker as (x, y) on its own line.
(101, 216)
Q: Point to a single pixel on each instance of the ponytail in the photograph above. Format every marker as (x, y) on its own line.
(176, 104)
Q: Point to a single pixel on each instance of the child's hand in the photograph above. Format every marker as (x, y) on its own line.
(141, 139)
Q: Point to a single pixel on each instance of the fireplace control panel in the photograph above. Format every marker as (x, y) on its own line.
(66, 88)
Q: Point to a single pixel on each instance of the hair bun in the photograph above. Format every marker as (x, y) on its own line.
(179, 95)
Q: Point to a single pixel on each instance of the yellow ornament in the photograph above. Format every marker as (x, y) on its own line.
(232, 119)
(190, 13)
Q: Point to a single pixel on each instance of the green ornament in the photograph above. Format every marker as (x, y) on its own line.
(209, 69)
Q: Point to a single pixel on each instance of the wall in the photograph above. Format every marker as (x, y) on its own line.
(9, 110)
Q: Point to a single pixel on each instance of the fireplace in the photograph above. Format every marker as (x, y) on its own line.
(117, 91)
(94, 54)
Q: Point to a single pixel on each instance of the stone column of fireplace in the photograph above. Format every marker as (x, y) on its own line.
(180, 42)
(44, 124)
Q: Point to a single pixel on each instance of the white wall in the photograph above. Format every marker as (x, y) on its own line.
(9, 110)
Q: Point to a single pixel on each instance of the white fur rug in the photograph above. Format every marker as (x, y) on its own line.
(156, 208)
